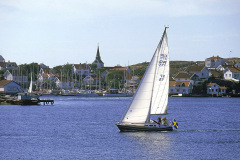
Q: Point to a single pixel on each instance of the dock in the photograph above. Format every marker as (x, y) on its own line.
(11, 101)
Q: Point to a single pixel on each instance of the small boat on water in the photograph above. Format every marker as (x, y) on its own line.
(28, 98)
(151, 97)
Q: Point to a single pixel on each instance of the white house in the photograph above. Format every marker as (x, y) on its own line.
(215, 90)
(81, 69)
(232, 73)
(220, 68)
(180, 87)
(192, 77)
(214, 62)
(8, 76)
(133, 82)
(88, 80)
(15, 76)
(201, 71)
(9, 87)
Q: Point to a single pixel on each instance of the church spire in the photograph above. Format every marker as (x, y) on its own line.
(98, 57)
(98, 60)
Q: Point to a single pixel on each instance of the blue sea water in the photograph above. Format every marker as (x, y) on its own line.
(84, 128)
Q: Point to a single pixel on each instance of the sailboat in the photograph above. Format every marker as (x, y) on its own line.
(28, 98)
(151, 97)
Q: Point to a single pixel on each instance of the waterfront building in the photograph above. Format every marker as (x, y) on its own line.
(232, 73)
(201, 71)
(98, 60)
(215, 90)
(214, 62)
(180, 87)
(192, 77)
(9, 87)
(18, 76)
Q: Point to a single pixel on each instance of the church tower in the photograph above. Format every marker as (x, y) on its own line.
(98, 60)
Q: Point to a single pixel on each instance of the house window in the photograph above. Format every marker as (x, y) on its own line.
(225, 75)
(209, 90)
(171, 90)
(229, 75)
(184, 90)
(212, 90)
(216, 90)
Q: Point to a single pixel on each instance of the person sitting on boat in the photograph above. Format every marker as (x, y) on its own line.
(159, 120)
(165, 121)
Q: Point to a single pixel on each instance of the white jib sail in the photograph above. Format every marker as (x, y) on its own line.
(30, 87)
(138, 111)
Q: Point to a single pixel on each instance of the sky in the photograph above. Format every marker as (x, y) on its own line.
(57, 32)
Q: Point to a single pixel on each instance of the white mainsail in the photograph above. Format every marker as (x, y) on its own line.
(161, 82)
(30, 87)
(152, 94)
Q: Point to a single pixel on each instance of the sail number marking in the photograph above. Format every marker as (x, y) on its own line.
(162, 76)
(163, 59)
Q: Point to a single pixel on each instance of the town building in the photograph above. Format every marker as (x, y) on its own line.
(201, 71)
(214, 62)
(88, 81)
(17, 76)
(192, 77)
(98, 60)
(180, 87)
(232, 73)
(215, 90)
(9, 87)
(81, 69)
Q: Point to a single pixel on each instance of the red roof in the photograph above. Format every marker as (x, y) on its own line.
(174, 83)
(214, 58)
